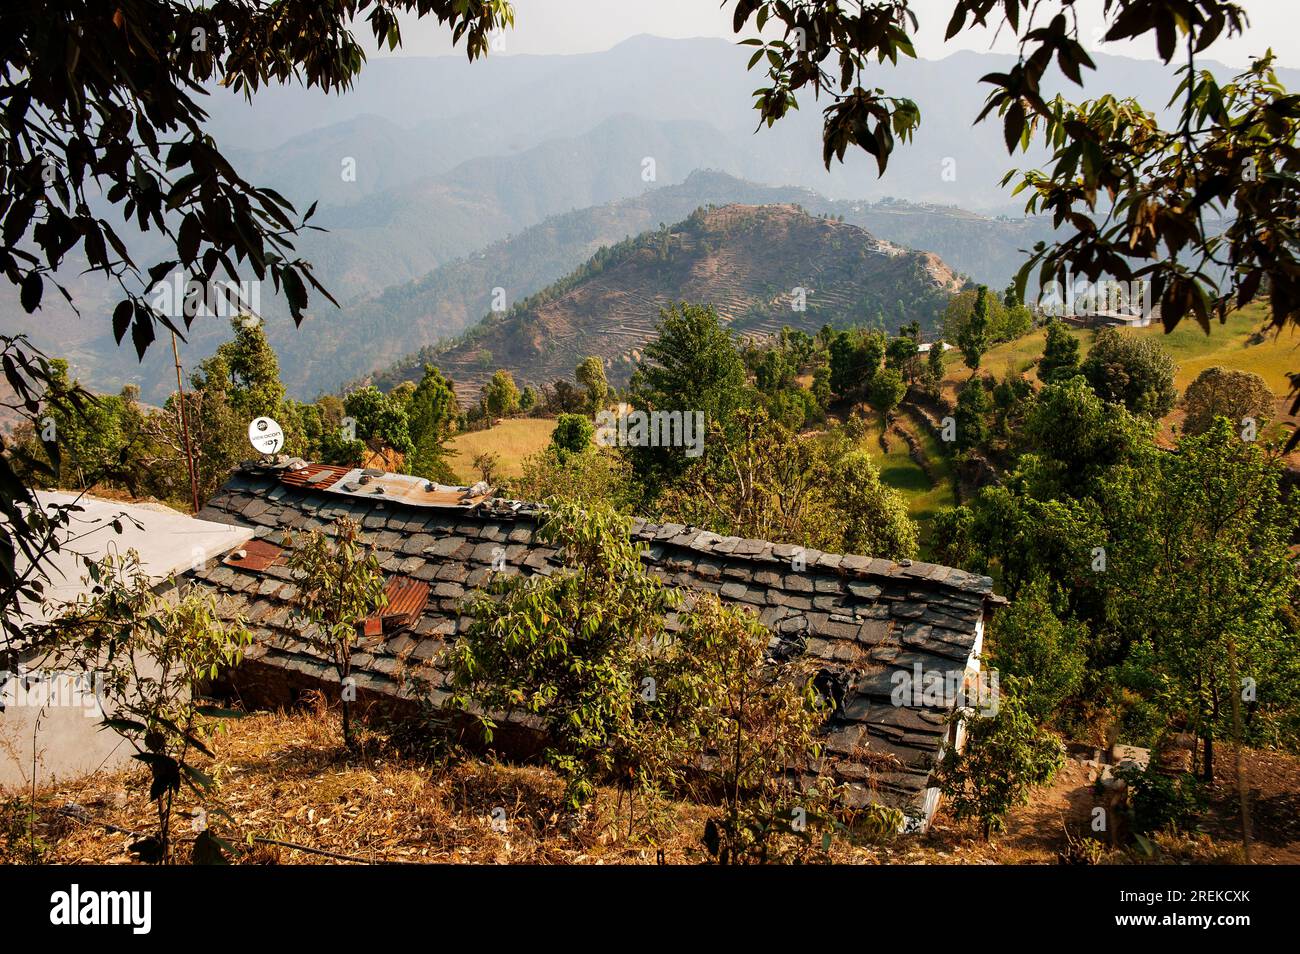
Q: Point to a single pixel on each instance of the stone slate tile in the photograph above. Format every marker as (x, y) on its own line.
(798, 583)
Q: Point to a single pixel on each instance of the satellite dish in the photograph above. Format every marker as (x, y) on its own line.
(265, 435)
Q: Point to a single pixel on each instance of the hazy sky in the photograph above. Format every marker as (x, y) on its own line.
(586, 26)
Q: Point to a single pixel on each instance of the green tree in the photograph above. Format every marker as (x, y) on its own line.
(591, 375)
(821, 387)
(123, 127)
(380, 421)
(529, 399)
(1076, 439)
(855, 357)
(432, 413)
(1210, 577)
(761, 481)
(1046, 655)
(1132, 370)
(572, 434)
(887, 391)
(500, 396)
(1110, 156)
(338, 585)
(1060, 360)
(972, 339)
(238, 383)
(154, 654)
(761, 724)
(934, 366)
(594, 476)
(973, 408)
(900, 355)
(692, 365)
(570, 649)
(873, 517)
(953, 540)
(1006, 755)
(100, 442)
(252, 370)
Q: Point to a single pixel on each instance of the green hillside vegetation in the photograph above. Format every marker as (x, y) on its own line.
(1237, 344)
(928, 490)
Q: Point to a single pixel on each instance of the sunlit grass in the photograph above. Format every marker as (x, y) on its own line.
(512, 440)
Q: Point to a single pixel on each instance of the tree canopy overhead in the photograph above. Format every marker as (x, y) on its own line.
(104, 102)
(106, 98)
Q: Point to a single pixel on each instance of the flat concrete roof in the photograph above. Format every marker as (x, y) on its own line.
(169, 542)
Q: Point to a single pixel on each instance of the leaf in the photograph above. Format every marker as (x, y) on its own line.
(199, 778)
(142, 332)
(712, 840)
(122, 318)
(1014, 125)
(187, 242)
(210, 850)
(30, 293)
(148, 849)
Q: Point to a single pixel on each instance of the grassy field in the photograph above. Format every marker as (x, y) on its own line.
(1227, 345)
(512, 440)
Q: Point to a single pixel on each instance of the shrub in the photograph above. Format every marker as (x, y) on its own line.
(572, 434)
(1005, 756)
(1158, 802)
(124, 624)
(571, 649)
(760, 722)
(338, 586)
(1222, 392)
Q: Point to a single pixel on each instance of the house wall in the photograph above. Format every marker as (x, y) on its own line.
(918, 824)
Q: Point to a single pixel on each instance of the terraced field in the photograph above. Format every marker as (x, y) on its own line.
(928, 489)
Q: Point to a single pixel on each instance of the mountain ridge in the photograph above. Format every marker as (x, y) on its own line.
(761, 267)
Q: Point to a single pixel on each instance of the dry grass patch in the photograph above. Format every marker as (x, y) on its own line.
(286, 778)
(512, 440)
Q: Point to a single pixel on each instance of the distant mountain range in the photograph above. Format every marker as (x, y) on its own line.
(511, 172)
(762, 267)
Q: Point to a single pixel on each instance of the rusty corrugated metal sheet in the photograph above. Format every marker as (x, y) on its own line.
(258, 555)
(406, 597)
(314, 476)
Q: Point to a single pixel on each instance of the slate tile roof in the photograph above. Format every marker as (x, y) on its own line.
(862, 619)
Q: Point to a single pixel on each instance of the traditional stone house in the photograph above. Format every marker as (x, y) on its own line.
(868, 623)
